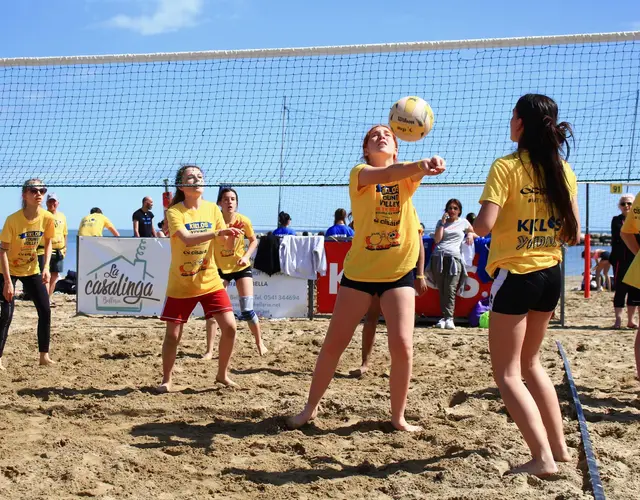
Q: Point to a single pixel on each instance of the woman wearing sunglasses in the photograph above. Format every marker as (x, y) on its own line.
(21, 234)
(446, 266)
(621, 258)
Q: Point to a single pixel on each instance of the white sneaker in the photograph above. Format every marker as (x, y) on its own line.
(449, 325)
(440, 324)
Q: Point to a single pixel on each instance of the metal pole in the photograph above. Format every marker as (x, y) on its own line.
(633, 138)
(587, 253)
(310, 291)
(284, 121)
(562, 291)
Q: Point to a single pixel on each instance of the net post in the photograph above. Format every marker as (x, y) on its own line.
(77, 269)
(587, 253)
(562, 291)
(633, 138)
(284, 123)
(310, 293)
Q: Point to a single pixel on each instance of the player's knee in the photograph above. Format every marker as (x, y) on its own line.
(246, 310)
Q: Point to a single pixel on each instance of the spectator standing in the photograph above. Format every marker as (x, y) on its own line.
(143, 220)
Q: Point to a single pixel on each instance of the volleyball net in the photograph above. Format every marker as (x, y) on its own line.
(296, 117)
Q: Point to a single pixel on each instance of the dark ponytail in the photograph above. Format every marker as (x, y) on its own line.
(283, 219)
(545, 140)
(178, 197)
(340, 215)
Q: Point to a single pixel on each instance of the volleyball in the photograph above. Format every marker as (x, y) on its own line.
(411, 118)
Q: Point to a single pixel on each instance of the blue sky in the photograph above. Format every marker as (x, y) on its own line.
(77, 27)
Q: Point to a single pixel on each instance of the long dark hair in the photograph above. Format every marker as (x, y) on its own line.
(223, 191)
(179, 196)
(454, 201)
(545, 139)
(283, 219)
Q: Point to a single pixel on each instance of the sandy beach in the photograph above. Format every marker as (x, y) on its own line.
(93, 426)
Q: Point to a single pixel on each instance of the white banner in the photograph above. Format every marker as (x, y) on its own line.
(128, 276)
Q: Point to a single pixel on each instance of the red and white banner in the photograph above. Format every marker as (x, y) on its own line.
(427, 305)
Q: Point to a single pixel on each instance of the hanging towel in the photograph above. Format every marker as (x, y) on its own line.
(303, 256)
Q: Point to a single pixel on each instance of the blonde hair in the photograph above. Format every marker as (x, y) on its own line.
(627, 196)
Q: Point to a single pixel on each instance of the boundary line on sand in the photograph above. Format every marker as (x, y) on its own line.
(592, 465)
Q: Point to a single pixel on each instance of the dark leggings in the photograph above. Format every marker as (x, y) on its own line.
(36, 290)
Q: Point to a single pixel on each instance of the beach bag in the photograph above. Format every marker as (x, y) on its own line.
(484, 319)
(478, 310)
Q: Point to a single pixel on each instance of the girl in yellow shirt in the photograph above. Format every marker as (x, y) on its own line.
(21, 235)
(380, 262)
(529, 205)
(193, 276)
(234, 264)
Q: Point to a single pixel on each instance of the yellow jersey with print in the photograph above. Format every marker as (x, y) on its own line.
(384, 247)
(94, 224)
(524, 238)
(632, 226)
(227, 255)
(58, 242)
(193, 271)
(23, 237)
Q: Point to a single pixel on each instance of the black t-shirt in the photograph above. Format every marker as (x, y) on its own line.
(145, 222)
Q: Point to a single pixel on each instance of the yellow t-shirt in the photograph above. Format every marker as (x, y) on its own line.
(227, 258)
(384, 247)
(524, 237)
(193, 271)
(58, 242)
(93, 225)
(23, 238)
(632, 226)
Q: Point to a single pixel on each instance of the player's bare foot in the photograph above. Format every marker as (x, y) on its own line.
(164, 388)
(632, 325)
(562, 455)
(262, 349)
(302, 418)
(359, 372)
(208, 355)
(535, 468)
(45, 360)
(617, 325)
(402, 425)
(226, 381)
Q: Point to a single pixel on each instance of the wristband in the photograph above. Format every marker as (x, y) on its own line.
(420, 276)
(424, 166)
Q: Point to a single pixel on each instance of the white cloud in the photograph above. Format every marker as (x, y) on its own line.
(169, 15)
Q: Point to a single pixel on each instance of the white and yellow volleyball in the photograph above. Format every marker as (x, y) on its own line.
(411, 118)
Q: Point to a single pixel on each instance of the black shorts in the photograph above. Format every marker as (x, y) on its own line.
(605, 256)
(56, 264)
(245, 273)
(377, 287)
(633, 295)
(517, 294)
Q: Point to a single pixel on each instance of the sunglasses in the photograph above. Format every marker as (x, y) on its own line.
(626, 204)
(453, 208)
(38, 190)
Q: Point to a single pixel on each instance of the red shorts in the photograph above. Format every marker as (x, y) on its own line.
(178, 310)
